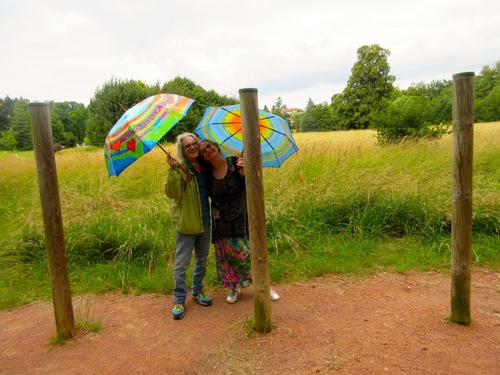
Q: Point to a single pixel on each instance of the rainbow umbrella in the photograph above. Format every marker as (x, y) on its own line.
(222, 125)
(141, 128)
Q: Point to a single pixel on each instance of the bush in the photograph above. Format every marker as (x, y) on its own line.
(406, 119)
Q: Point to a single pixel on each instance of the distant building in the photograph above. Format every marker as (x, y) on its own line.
(291, 111)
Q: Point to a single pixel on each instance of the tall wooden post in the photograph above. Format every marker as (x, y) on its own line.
(52, 218)
(461, 222)
(256, 209)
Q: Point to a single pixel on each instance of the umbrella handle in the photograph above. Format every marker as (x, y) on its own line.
(189, 175)
(165, 151)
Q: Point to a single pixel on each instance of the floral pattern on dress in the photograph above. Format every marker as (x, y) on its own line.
(233, 261)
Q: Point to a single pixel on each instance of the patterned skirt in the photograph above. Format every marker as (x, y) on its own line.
(232, 256)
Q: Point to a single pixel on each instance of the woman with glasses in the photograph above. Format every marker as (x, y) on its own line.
(226, 185)
(187, 187)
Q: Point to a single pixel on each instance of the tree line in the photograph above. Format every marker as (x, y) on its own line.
(369, 101)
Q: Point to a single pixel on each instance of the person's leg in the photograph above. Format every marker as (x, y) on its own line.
(183, 251)
(201, 251)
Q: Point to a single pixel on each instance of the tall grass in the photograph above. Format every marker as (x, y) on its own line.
(361, 208)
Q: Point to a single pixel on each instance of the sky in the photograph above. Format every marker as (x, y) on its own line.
(65, 50)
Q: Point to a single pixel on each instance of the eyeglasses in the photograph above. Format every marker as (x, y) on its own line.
(189, 145)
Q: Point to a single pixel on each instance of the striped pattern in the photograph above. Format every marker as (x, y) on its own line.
(141, 128)
(223, 126)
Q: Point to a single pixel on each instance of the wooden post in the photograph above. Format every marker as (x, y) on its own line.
(52, 218)
(256, 209)
(461, 222)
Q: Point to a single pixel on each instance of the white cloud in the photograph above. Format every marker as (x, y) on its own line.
(64, 50)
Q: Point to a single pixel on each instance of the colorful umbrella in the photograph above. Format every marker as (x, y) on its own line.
(223, 126)
(141, 128)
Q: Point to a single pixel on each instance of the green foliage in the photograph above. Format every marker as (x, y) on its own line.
(488, 108)
(486, 80)
(318, 118)
(57, 130)
(203, 99)
(68, 123)
(57, 340)
(277, 108)
(8, 140)
(21, 126)
(407, 118)
(76, 126)
(6, 109)
(437, 96)
(108, 105)
(369, 83)
(110, 238)
(377, 216)
(369, 90)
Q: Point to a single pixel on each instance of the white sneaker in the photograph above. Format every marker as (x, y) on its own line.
(274, 295)
(232, 296)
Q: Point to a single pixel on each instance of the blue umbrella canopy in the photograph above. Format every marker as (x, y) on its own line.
(223, 126)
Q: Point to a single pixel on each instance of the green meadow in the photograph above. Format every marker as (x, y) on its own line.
(359, 209)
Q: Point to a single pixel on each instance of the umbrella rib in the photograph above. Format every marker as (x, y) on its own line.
(231, 112)
(274, 150)
(225, 134)
(274, 130)
(230, 136)
(221, 123)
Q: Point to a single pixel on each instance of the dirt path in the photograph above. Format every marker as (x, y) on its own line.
(388, 323)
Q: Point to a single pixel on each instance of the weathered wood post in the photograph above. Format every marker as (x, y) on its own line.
(52, 218)
(256, 209)
(461, 221)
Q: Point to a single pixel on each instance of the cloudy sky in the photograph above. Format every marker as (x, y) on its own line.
(63, 50)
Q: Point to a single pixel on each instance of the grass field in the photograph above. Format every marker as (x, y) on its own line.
(360, 208)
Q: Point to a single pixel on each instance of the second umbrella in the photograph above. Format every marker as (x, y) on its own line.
(223, 126)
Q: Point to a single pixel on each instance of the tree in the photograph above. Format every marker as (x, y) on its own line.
(310, 104)
(318, 118)
(406, 118)
(77, 119)
(58, 135)
(68, 122)
(21, 125)
(369, 83)
(186, 87)
(115, 96)
(442, 103)
(277, 108)
(437, 95)
(203, 99)
(488, 109)
(486, 80)
(6, 109)
(8, 140)
(109, 103)
(487, 94)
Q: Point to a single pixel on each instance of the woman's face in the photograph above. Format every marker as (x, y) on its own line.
(190, 148)
(208, 150)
